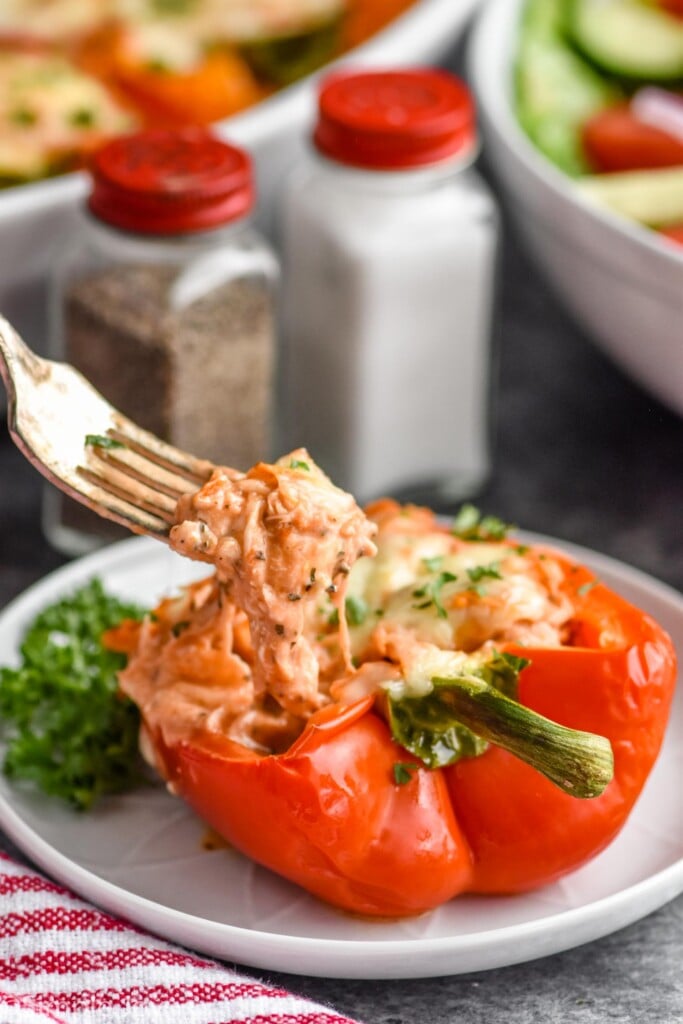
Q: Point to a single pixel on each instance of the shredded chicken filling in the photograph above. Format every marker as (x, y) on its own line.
(312, 600)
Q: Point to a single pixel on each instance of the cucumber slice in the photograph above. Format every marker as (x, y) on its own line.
(628, 38)
(653, 197)
(556, 89)
(542, 18)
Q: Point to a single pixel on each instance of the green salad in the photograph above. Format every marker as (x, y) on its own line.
(599, 91)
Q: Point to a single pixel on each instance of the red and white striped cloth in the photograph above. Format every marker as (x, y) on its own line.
(63, 961)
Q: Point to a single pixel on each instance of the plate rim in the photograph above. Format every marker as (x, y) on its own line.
(275, 951)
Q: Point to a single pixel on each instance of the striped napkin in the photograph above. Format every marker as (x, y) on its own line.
(63, 961)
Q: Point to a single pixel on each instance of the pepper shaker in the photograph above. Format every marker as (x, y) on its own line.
(389, 251)
(164, 299)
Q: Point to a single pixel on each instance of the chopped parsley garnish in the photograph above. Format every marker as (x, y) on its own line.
(403, 772)
(433, 564)
(179, 627)
(469, 524)
(293, 597)
(83, 117)
(432, 592)
(299, 464)
(102, 441)
(586, 588)
(173, 6)
(480, 572)
(356, 611)
(23, 116)
(66, 728)
(158, 66)
(478, 575)
(502, 671)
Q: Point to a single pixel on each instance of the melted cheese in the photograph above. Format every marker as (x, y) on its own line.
(496, 595)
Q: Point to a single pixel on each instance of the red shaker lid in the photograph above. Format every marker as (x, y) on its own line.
(390, 120)
(170, 182)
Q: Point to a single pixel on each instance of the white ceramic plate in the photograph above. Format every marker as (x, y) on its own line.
(140, 856)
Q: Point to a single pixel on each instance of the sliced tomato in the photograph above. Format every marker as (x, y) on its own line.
(615, 140)
(673, 7)
(674, 233)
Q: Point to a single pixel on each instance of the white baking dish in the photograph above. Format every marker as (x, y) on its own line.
(34, 217)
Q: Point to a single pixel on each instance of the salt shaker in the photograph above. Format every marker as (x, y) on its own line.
(164, 298)
(390, 250)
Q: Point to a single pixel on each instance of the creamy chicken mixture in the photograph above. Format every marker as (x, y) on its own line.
(312, 600)
(282, 538)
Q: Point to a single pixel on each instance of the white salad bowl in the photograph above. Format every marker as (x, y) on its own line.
(621, 282)
(33, 218)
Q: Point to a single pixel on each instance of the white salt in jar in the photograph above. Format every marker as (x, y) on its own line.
(389, 250)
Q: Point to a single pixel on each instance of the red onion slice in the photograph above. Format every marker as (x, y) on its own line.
(661, 109)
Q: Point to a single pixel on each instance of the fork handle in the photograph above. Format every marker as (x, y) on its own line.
(16, 358)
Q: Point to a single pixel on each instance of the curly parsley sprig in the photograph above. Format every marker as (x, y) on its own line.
(65, 727)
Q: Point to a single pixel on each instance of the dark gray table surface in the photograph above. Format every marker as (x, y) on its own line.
(582, 454)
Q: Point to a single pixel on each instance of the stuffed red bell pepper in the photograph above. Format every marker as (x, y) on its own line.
(455, 712)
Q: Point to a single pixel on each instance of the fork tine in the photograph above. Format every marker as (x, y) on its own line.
(113, 506)
(197, 471)
(139, 468)
(119, 485)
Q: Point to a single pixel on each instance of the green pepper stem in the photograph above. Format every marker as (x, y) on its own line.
(580, 763)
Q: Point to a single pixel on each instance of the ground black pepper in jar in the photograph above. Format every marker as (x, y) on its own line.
(164, 299)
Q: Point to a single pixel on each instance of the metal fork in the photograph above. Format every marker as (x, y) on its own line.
(87, 448)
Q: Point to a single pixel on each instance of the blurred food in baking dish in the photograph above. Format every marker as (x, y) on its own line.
(73, 72)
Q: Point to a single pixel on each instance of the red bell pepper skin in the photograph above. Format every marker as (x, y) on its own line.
(617, 680)
(329, 815)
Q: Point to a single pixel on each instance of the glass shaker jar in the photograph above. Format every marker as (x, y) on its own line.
(164, 299)
(390, 252)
